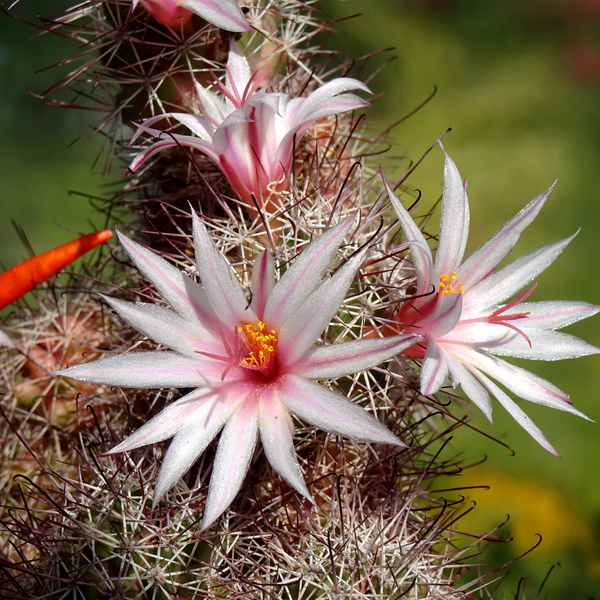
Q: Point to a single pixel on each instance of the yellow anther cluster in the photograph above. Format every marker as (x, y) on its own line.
(261, 344)
(451, 284)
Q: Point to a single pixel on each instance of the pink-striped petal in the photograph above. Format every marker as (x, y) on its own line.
(214, 108)
(168, 421)
(461, 374)
(220, 283)
(263, 281)
(192, 439)
(454, 225)
(434, 369)
(556, 314)
(420, 252)
(487, 257)
(322, 102)
(445, 317)
(503, 284)
(331, 412)
(305, 274)
(520, 382)
(301, 330)
(166, 327)
(542, 345)
(238, 70)
(203, 128)
(149, 370)
(234, 453)
(337, 360)
(517, 413)
(174, 140)
(186, 297)
(277, 436)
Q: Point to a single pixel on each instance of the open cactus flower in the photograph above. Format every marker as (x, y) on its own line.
(464, 311)
(252, 363)
(250, 133)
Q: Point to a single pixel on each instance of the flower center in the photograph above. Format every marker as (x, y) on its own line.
(451, 284)
(261, 344)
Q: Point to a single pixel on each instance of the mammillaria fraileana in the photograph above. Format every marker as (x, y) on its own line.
(251, 362)
(461, 309)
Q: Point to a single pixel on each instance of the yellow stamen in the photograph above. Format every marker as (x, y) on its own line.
(261, 345)
(451, 284)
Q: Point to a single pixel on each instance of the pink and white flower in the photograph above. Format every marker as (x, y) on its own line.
(250, 133)
(464, 312)
(225, 14)
(251, 362)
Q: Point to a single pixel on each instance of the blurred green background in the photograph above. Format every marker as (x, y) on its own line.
(519, 84)
(40, 166)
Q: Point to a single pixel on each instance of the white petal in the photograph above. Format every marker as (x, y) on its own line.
(220, 283)
(302, 329)
(420, 252)
(277, 436)
(545, 345)
(184, 295)
(503, 284)
(235, 451)
(225, 14)
(168, 421)
(203, 128)
(462, 376)
(485, 259)
(301, 279)
(556, 314)
(238, 69)
(166, 327)
(193, 438)
(330, 411)
(336, 360)
(454, 225)
(171, 141)
(434, 370)
(520, 382)
(214, 108)
(263, 280)
(146, 370)
(322, 102)
(517, 413)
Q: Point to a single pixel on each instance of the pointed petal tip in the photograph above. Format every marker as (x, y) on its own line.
(400, 443)
(391, 439)
(155, 501)
(125, 241)
(209, 519)
(66, 372)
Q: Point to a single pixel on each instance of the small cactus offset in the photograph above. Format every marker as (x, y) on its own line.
(248, 391)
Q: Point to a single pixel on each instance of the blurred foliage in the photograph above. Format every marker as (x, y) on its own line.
(46, 156)
(519, 84)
